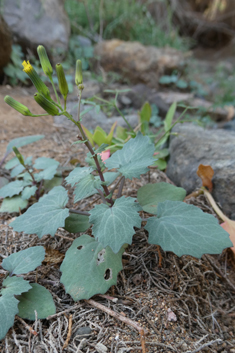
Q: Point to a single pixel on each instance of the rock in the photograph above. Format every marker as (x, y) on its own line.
(83, 332)
(35, 22)
(101, 348)
(6, 42)
(138, 63)
(193, 146)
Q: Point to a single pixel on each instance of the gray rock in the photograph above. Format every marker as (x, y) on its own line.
(83, 332)
(35, 22)
(193, 146)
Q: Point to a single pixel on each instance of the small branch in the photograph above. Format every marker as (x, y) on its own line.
(117, 316)
(69, 332)
(71, 210)
(206, 345)
(64, 311)
(27, 326)
(121, 187)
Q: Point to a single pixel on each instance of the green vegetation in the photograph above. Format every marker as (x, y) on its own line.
(124, 19)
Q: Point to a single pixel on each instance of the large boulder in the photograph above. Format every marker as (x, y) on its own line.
(6, 42)
(35, 22)
(136, 62)
(194, 145)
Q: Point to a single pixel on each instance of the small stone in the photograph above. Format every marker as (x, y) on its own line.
(232, 350)
(184, 346)
(101, 348)
(83, 332)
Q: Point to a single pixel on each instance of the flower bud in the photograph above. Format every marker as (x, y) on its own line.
(63, 85)
(22, 109)
(78, 74)
(34, 77)
(45, 62)
(18, 155)
(48, 106)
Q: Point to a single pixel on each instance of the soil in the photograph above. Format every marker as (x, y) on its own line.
(185, 304)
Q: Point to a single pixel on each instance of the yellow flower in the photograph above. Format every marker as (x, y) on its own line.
(27, 67)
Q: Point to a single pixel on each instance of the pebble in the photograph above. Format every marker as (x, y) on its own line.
(184, 346)
(83, 332)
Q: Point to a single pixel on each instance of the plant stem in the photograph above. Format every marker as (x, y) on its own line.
(56, 94)
(121, 187)
(128, 124)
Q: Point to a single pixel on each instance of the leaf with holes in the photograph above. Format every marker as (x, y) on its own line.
(45, 216)
(24, 261)
(134, 158)
(150, 195)
(186, 230)
(88, 269)
(13, 204)
(37, 298)
(114, 226)
(76, 223)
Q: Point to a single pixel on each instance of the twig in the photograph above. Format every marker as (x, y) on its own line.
(31, 330)
(64, 237)
(205, 345)
(69, 332)
(159, 256)
(118, 316)
(220, 272)
(71, 210)
(63, 312)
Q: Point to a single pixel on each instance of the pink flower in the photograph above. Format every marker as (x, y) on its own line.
(105, 155)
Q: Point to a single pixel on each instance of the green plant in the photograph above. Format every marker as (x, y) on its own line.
(31, 181)
(13, 70)
(128, 20)
(17, 295)
(176, 81)
(92, 263)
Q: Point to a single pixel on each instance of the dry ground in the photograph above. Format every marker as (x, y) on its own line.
(186, 304)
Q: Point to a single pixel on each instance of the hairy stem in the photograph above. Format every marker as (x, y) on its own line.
(71, 210)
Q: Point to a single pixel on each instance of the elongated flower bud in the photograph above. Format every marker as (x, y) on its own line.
(34, 77)
(18, 155)
(63, 85)
(48, 106)
(44, 60)
(22, 109)
(78, 74)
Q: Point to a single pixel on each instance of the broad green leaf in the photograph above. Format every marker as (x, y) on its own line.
(3, 182)
(114, 226)
(186, 230)
(13, 204)
(76, 223)
(162, 153)
(110, 135)
(50, 184)
(14, 285)
(17, 170)
(46, 174)
(78, 174)
(12, 163)
(121, 133)
(24, 261)
(12, 188)
(145, 116)
(165, 80)
(88, 269)
(8, 310)
(160, 163)
(44, 163)
(181, 84)
(150, 195)
(134, 158)
(28, 192)
(45, 216)
(169, 116)
(99, 136)
(89, 135)
(38, 298)
(88, 186)
(23, 141)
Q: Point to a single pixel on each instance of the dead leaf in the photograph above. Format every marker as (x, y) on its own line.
(53, 256)
(229, 226)
(206, 172)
